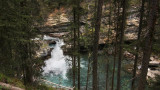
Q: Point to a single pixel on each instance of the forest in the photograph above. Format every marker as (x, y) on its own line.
(79, 45)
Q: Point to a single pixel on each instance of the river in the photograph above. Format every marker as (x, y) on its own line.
(58, 69)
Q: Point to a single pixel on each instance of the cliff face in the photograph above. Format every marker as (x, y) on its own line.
(59, 21)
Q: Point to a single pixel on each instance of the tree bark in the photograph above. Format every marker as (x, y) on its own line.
(78, 26)
(107, 65)
(115, 44)
(121, 44)
(137, 45)
(148, 43)
(89, 61)
(74, 47)
(96, 40)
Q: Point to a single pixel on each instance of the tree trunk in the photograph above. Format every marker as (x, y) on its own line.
(78, 26)
(148, 43)
(121, 44)
(115, 44)
(89, 61)
(107, 65)
(137, 45)
(74, 47)
(96, 40)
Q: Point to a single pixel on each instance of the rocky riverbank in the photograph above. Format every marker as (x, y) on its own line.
(45, 47)
(153, 68)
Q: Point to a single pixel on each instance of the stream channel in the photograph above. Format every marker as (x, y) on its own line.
(58, 69)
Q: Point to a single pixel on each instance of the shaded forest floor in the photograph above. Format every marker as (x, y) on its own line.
(5, 86)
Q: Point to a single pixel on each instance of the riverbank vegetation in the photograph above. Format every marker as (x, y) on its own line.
(126, 30)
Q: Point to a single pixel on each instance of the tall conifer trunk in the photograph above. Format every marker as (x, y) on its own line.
(137, 45)
(115, 44)
(148, 43)
(78, 27)
(74, 47)
(96, 40)
(121, 44)
(107, 65)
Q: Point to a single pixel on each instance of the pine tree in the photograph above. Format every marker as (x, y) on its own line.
(137, 46)
(121, 44)
(96, 40)
(148, 43)
(17, 31)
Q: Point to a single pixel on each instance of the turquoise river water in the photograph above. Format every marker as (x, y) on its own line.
(58, 69)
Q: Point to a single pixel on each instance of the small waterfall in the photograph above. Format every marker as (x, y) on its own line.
(57, 63)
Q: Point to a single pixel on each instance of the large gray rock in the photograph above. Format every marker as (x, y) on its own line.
(154, 64)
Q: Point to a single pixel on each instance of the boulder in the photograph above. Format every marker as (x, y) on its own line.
(51, 42)
(153, 73)
(153, 64)
(128, 55)
(60, 34)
